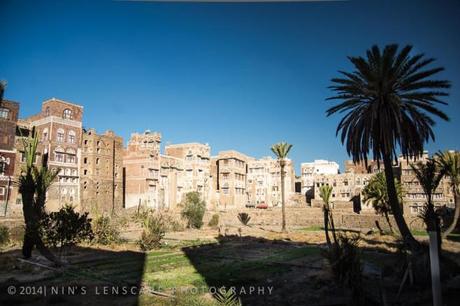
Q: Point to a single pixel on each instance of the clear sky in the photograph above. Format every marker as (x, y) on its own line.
(236, 76)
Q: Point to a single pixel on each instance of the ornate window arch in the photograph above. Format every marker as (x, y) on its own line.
(67, 114)
(71, 136)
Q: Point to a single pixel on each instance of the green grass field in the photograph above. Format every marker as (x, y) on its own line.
(194, 264)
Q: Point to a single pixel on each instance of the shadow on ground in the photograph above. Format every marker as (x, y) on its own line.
(266, 272)
(93, 277)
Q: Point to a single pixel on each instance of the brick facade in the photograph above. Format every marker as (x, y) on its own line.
(8, 120)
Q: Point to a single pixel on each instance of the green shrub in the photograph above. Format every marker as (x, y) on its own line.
(193, 210)
(154, 231)
(4, 235)
(172, 222)
(227, 297)
(214, 222)
(105, 231)
(244, 218)
(17, 233)
(140, 215)
(345, 260)
(66, 227)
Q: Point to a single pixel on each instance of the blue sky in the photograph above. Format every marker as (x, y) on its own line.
(237, 76)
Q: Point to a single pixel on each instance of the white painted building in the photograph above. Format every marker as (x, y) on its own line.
(319, 166)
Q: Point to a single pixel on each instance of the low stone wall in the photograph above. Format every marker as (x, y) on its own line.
(309, 216)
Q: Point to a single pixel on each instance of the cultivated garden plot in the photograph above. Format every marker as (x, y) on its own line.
(266, 268)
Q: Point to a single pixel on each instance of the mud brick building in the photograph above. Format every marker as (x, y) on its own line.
(196, 159)
(9, 111)
(264, 181)
(229, 170)
(59, 128)
(101, 172)
(141, 168)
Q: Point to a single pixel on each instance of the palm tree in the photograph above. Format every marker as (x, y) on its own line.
(449, 162)
(376, 192)
(325, 192)
(33, 186)
(429, 178)
(281, 150)
(389, 101)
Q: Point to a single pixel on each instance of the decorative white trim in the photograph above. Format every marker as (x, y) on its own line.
(51, 119)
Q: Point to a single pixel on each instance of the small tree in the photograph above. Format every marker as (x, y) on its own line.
(193, 210)
(153, 233)
(429, 178)
(214, 222)
(66, 227)
(376, 192)
(325, 192)
(449, 163)
(105, 230)
(344, 257)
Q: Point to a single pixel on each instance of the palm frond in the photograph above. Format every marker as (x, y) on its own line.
(388, 101)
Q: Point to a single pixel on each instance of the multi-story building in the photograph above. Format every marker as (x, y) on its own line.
(414, 197)
(8, 120)
(228, 170)
(264, 181)
(346, 188)
(59, 128)
(170, 189)
(308, 172)
(372, 166)
(101, 172)
(141, 168)
(197, 165)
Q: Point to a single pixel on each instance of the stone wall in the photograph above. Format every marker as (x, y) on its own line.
(308, 216)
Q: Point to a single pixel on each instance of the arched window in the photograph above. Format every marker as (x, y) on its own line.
(4, 113)
(67, 114)
(47, 111)
(45, 134)
(71, 156)
(60, 135)
(72, 136)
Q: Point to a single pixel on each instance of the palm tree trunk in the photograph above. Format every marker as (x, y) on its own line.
(407, 236)
(331, 219)
(389, 222)
(456, 214)
(326, 225)
(32, 236)
(283, 210)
